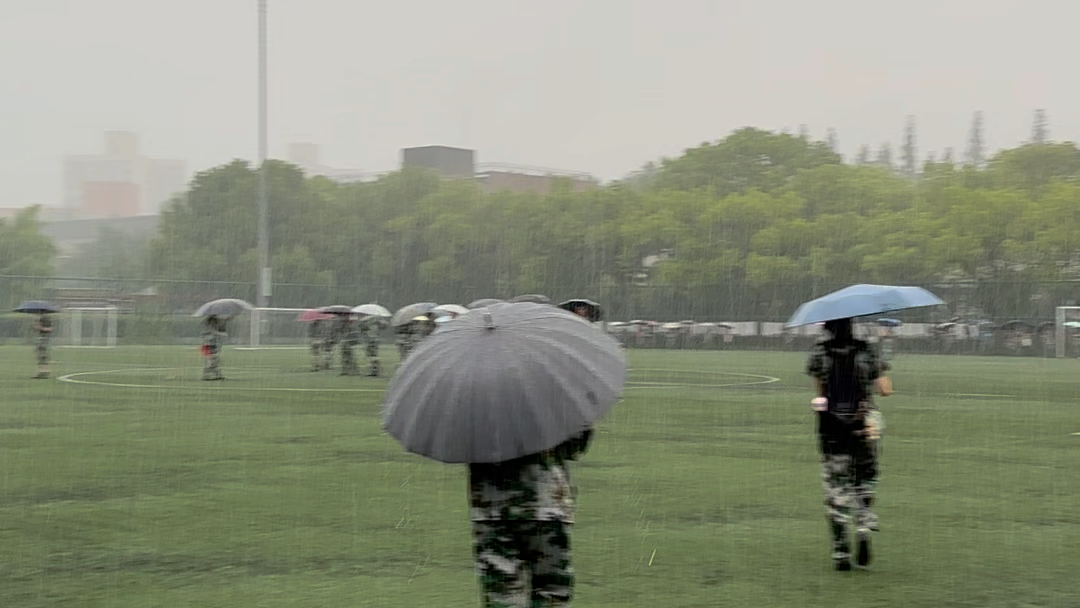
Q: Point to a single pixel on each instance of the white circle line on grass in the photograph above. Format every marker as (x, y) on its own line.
(71, 378)
(75, 379)
(762, 379)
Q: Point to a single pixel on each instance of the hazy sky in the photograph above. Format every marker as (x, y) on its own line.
(593, 85)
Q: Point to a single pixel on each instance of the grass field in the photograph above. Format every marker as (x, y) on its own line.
(138, 485)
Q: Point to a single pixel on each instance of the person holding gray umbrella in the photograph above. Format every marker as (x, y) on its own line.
(213, 335)
(513, 390)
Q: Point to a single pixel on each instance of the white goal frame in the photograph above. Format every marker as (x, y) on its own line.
(1061, 317)
(75, 326)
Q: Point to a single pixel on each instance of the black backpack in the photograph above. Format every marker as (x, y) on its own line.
(843, 389)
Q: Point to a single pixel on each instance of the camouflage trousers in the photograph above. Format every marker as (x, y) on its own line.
(316, 355)
(348, 360)
(849, 478)
(371, 349)
(523, 564)
(212, 365)
(328, 355)
(41, 351)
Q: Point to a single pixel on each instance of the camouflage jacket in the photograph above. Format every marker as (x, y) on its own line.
(868, 365)
(535, 487)
(212, 335)
(370, 330)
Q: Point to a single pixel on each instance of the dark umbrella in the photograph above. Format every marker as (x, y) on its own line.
(595, 312)
(1017, 325)
(37, 307)
(482, 302)
(534, 298)
(225, 307)
(860, 301)
(337, 309)
(502, 383)
(405, 315)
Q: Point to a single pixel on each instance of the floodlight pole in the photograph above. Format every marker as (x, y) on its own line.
(264, 280)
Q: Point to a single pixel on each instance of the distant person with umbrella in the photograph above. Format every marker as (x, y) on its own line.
(350, 337)
(43, 330)
(846, 373)
(214, 334)
(371, 330)
(215, 316)
(513, 390)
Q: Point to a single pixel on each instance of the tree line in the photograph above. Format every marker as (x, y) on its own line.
(744, 227)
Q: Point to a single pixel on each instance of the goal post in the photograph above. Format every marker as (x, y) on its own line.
(273, 328)
(91, 326)
(1062, 316)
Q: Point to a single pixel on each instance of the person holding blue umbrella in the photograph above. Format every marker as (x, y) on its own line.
(847, 372)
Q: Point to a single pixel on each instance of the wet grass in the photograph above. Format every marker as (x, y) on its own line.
(697, 492)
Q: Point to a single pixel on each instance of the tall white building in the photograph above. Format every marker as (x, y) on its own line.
(120, 182)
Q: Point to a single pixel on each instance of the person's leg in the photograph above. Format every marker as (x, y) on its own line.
(865, 469)
(552, 574)
(500, 566)
(836, 478)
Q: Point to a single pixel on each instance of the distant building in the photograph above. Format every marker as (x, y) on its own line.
(306, 156)
(449, 162)
(452, 163)
(514, 178)
(120, 182)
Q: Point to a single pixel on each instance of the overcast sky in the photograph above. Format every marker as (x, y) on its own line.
(601, 86)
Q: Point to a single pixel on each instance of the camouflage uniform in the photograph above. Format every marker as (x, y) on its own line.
(849, 448)
(521, 512)
(212, 335)
(370, 328)
(350, 337)
(315, 337)
(44, 327)
(330, 340)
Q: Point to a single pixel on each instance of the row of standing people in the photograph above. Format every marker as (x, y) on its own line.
(347, 332)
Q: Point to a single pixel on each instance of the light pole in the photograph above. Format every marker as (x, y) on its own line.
(264, 280)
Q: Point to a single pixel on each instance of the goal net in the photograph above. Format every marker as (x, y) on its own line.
(91, 327)
(1066, 331)
(270, 328)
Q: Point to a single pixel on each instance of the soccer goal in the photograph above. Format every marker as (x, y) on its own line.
(1066, 325)
(272, 328)
(91, 327)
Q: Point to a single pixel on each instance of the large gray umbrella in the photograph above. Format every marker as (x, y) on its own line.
(225, 307)
(410, 312)
(497, 384)
(535, 298)
(482, 302)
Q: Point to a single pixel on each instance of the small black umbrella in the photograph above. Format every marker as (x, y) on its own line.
(337, 309)
(504, 382)
(37, 307)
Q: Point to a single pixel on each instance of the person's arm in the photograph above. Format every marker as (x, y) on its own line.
(576, 446)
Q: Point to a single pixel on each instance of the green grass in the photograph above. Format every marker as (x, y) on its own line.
(175, 492)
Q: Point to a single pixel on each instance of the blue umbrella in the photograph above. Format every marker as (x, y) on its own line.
(37, 307)
(861, 300)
